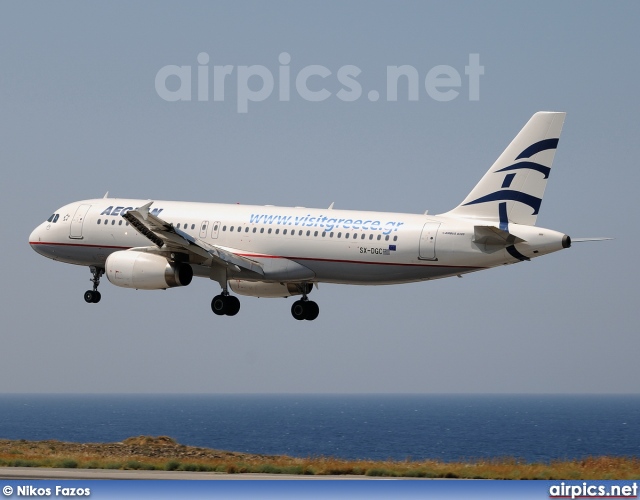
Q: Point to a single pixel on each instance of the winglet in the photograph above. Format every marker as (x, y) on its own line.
(144, 210)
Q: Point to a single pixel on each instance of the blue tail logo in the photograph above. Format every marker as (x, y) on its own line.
(506, 194)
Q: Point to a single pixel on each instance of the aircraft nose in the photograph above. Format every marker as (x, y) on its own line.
(34, 237)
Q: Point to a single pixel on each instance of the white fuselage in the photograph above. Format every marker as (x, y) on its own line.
(268, 251)
(335, 246)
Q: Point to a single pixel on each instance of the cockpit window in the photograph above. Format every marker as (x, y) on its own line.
(53, 218)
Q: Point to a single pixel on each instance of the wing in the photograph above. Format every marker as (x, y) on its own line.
(168, 238)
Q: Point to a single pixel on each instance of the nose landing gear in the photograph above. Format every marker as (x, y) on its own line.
(94, 296)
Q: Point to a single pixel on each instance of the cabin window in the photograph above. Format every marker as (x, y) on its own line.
(239, 229)
(231, 229)
(379, 236)
(371, 236)
(277, 231)
(178, 226)
(395, 238)
(224, 228)
(386, 238)
(285, 232)
(269, 231)
(193, 226)
(246, 230)
(119, 223)
(261, 230)
(113, 222)
(308, 233)
(255, 229)
(99, 221)
(331, 234)
(362, 237)
(315, 233)
(106, 221)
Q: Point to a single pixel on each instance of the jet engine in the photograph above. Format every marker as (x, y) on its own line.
(263, 289)
(146, 271)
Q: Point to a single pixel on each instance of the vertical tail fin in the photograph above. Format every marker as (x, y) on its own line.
(512, 189)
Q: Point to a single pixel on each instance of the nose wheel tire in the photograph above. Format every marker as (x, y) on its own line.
(225, 305)
(305, 309)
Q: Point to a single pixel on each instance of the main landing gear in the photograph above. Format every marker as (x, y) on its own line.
(228, 305)
(93, 296)
(305, 308)
(225, 304)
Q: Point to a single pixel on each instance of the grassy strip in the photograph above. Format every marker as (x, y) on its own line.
(592, 468)
(48, 454)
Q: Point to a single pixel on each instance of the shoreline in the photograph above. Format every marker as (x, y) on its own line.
(162, 453)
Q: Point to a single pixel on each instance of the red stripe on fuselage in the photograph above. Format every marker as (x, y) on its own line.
(262, 256)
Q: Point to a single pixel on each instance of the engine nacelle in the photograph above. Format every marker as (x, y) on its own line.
(272, 290)
(146, 271)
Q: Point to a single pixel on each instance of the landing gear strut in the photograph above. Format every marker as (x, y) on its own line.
(304, 308)
(225, 304)
(94, 296)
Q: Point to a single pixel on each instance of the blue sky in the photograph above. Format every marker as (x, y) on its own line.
(80, 115)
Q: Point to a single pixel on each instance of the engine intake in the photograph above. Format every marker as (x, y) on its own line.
(146, 271)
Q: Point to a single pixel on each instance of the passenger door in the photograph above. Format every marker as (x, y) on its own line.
(75, 231)
(428, 241)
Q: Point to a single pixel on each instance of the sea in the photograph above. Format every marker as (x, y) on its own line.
(538, 428)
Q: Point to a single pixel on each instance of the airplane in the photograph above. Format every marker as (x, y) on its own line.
(270, 251)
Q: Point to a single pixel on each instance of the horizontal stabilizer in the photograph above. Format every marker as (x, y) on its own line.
(493, 236)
